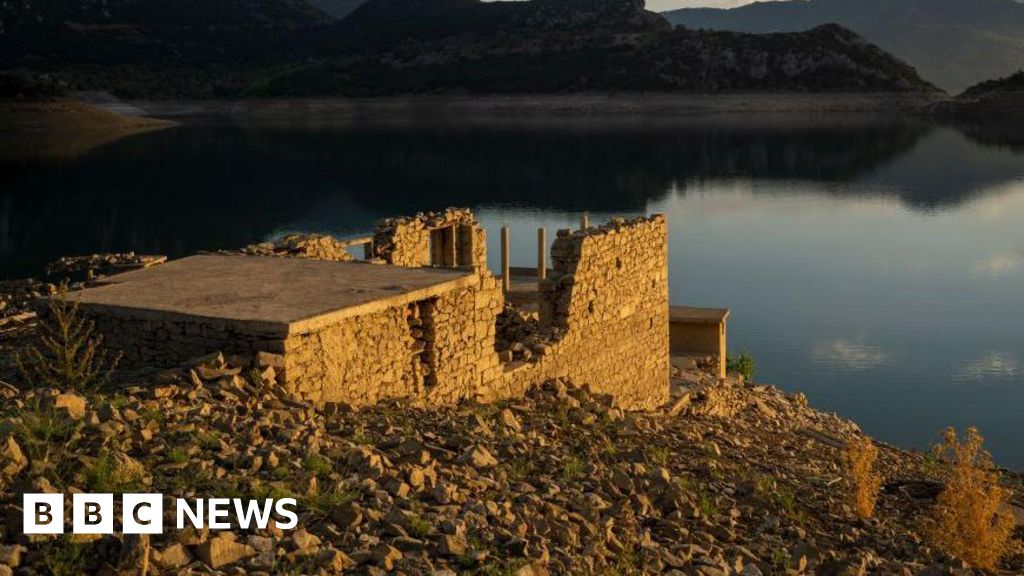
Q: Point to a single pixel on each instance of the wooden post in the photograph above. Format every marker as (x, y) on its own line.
(505, 280)
(542, 249)
(584, 221)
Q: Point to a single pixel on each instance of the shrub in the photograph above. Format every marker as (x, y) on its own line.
(966, 519)
(743, 365)
(418, 527)
(48, 438)
(861, 455)
(572, 469)
(317, 464)
(67, 355)
(64, 557)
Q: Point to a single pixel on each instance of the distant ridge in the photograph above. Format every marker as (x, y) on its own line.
(337, 8)
(231, 48)
(1001, 99)
(952, 43)
(389, 47)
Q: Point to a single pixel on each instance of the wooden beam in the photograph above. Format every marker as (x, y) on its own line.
(542, 251)
(505, 280)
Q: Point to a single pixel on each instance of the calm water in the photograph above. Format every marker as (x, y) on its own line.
(876, 265)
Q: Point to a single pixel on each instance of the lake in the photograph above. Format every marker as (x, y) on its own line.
(875, 264)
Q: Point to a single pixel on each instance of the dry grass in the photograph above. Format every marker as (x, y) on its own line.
(67, 355)
(861, 455)
(967, 520)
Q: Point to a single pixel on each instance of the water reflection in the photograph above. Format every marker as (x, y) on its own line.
(873, 263)
(849, 355)
(200, 187)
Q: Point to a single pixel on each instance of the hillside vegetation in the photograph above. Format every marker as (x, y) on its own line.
(952, 43)
(231, 48)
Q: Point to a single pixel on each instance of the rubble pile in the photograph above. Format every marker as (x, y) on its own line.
(317, 246)
(93, 266)
(560, 481)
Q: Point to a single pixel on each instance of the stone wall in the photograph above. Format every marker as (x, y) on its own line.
(604, 322)
(607, 304)
(358, 360)
(160, 339)
(460, 340)
(450, 238)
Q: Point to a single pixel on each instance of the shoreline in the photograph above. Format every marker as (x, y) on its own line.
(541, 107)
(66, 127)
(728, 478)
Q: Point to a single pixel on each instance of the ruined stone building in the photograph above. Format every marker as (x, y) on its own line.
(421, 317)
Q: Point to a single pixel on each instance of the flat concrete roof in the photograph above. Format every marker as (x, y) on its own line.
(274, 295)
(698, 315)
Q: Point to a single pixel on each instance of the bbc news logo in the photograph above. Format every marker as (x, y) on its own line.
(144, 513)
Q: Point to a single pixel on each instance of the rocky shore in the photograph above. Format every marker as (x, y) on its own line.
(727, 478)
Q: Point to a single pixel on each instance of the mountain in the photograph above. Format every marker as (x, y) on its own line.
(952, 43)
(458, 46)
(1001, 100)
(231, 48)
(59, 33)
(337, 8)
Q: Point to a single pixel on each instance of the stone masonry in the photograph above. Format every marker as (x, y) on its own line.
(449, 238)
(607, 302)
(356, 332)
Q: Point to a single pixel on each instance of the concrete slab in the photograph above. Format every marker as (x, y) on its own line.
(698, 315)
(272, 295)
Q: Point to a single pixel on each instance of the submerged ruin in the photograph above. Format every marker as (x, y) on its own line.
(421, 316)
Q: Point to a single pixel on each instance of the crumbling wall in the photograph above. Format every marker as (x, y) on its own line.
(604, 322)
(604, 317)
(607, 306)
(460, 340)
(450, 238)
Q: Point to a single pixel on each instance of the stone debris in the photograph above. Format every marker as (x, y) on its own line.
(95, 266)
(558, 481)
(316, 246)
(17, 298)
(222, 550)
(431, 238)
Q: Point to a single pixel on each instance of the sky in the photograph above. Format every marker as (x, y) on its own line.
(660, 5)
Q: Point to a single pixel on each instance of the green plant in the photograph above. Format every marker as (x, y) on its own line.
(62, 557)
(109, 474)
(785, 498)
(280, 473)
(321, 504)
(685, 484)
(177, 455)
(658, 455)
(154, 414)
(966, 520)
(207, 440)
(572, 469)
(706, 503)
(743, 364)
(520, 469)
(418, 527)
(47, 438)
(67, 353)
(317, 464)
